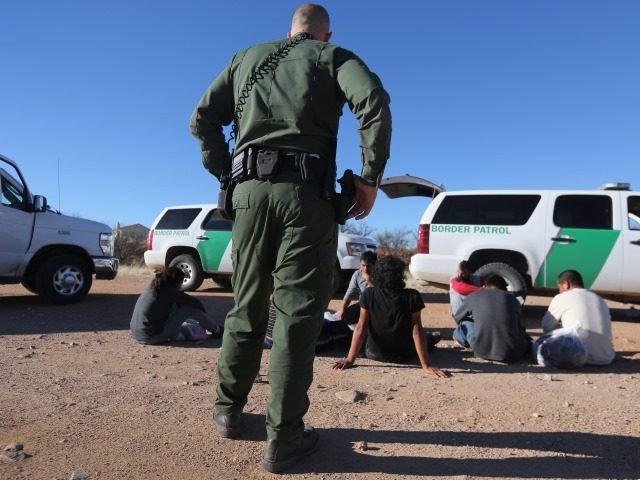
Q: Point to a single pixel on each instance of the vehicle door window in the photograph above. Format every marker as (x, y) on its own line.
(583, 211)
(633, 209)
(486, 209)
(178, 218)
(10, 195)
(214, 221)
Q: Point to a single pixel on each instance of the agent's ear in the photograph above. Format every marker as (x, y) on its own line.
(327, 37)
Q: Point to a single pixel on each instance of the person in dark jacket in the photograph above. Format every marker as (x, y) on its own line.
(390, 319)
(496, 331)
(162, 308)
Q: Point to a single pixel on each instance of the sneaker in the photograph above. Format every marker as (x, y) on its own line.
(280, 456)
(227, 424)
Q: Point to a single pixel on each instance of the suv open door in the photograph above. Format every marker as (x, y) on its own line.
(409, 186)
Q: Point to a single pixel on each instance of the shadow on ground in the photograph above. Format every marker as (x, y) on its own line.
(25, 315)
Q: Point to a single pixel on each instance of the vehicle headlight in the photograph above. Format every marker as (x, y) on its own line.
(106, 244)
(356, 249)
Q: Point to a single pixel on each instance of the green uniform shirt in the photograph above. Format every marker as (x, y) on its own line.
(297, 106)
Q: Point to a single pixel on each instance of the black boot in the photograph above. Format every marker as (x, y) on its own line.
(280, 456)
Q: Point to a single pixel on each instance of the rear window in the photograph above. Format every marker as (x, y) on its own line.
(178, 219)
(214, 221)
(583, 211)
(486, 209)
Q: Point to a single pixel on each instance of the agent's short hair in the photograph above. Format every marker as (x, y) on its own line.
(496, 281)
(573, 277)
(369, 257)
(388, 273)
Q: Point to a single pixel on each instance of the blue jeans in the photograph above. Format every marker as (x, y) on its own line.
(465, 333)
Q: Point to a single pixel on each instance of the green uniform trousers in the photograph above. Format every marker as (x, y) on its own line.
(284, 242)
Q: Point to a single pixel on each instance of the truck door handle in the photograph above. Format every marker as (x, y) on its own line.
(202, 237)
(564, 239)
(635, 242)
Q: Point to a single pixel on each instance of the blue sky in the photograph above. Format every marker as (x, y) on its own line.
(485, 94)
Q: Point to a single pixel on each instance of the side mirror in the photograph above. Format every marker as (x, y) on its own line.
(40, 203)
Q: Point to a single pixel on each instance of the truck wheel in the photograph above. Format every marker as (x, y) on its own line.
(193, 276)
(30, 284)
(223, 280)
(515, 281)
(63, 279)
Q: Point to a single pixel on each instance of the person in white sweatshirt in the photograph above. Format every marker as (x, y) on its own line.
(578, 308)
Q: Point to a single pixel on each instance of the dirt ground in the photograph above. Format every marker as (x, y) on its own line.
(88, 402)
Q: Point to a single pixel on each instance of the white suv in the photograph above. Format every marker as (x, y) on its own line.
(529, 236)
(197, 239)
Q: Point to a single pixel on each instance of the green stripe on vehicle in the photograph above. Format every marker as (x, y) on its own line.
(211, 250)
(587, 255)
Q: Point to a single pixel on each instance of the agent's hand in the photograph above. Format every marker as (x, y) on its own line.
(437, 372)
(342, 364)
(364, 198)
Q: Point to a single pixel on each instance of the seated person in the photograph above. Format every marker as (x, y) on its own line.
(162, 308)
(496, 331)
(390, 320)
(462, 285)
(580, 310)
(359, 282)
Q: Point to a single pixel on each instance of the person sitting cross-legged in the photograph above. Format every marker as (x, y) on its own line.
(496, 332)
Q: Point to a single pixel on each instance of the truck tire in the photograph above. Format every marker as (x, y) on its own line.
(30, 284)
(222, 280)
(193, 276)
(63, 279)
(515, 281)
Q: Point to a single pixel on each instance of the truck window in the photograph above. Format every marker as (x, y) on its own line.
(10, 195)
(583, 211)
(486, 209)
(633, 208)
(214, 221)
(178, 218)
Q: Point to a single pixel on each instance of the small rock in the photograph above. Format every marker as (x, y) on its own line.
(350, 396)
(151, 376)
(19, 348)
(588, 382)
(320, 386)
(567, 404)
(153, 355)
(79, 476)
(361, 446)
(536, 415)
(14, 456)
(32, 347)
(548, 378)
(400, 385)
(391, 389)
(14, 447)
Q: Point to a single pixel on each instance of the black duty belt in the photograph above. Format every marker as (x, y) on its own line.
(264, 163)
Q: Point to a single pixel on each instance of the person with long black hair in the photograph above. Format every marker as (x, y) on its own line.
(162, 308)
(390, 321)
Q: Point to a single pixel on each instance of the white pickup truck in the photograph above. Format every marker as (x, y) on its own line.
(51, 254)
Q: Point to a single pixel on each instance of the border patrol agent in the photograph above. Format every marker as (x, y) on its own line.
(285, 99)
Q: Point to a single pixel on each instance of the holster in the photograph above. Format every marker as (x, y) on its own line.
(225, 196)
(343, 201)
